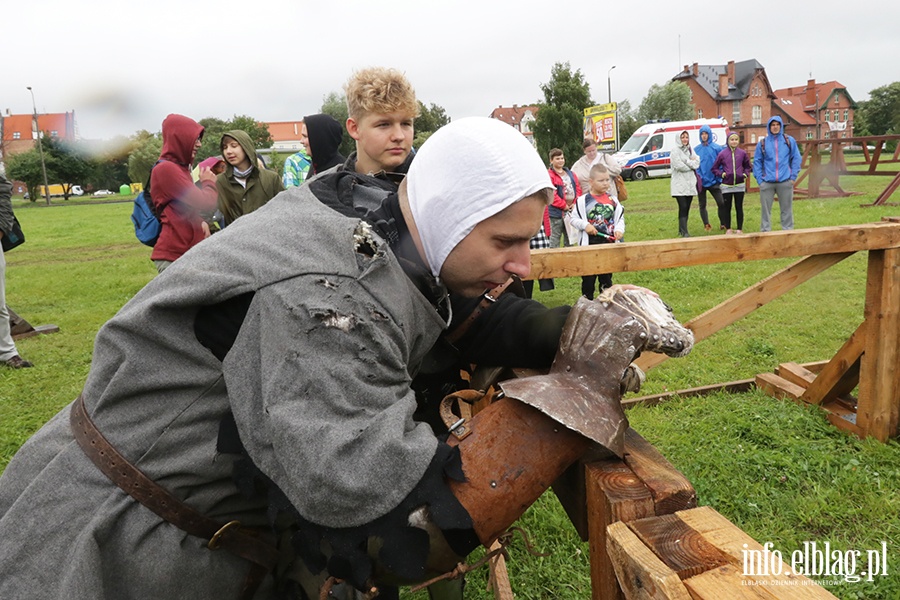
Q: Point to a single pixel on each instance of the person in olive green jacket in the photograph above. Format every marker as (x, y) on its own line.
(244, 186)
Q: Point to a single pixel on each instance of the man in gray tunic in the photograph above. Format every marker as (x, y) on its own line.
(264, 381)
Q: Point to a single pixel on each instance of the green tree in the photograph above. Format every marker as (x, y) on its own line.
(881, 112)
(559, 120)
(213, 128)
(66, 164)
(335, 104)
(671, 101)
(26, 167)
(146, 150)
(628, 122)
(109, 164)
(430, 119)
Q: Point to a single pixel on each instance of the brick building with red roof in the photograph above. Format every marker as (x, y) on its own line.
(816, 110)
(520, 117)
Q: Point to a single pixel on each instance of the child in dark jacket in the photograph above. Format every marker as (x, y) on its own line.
(732, 165)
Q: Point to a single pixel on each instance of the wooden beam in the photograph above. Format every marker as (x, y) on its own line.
(832, 382)
(755, 296)
(498, 579)
(687, 252)
(734, 542)
(641, 574)
(795, 373)
(614, 494)
(670, 489)
(878, 406)
(778, 387)
(680, 547)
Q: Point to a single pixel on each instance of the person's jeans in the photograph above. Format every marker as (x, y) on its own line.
(785, 192)
(557, 232)
(7, 345)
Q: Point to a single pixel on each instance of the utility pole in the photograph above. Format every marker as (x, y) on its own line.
(37, 131)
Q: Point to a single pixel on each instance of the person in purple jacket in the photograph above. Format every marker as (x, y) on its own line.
(732, 166)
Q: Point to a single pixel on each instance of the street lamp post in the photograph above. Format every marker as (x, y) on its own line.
(609, 85)
(40, 146)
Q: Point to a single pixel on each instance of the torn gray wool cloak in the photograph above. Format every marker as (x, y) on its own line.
(318, 380)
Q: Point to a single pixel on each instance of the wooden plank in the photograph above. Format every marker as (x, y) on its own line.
(499, 576)
(831, 381)
(728, 582)
(778, 387)
(795, 374)
(878, 410)
(742, 385)
(734, 542)
(685, 252)
(670, 489)
(759, 294)
(614, 494)
(640, 573)
(680, 547)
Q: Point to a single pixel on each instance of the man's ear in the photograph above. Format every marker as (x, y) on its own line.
(353, 128)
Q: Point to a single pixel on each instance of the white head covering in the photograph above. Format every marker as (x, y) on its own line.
(466, 172)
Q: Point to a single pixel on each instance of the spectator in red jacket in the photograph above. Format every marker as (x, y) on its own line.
(182, 206)
(567, 189)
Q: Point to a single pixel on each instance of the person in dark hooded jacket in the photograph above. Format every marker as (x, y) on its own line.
(324, 134)
(180, 204)
(243, 186)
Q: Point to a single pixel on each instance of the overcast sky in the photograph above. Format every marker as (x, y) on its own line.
(124, 66)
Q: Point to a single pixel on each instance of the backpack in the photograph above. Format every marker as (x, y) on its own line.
(143, 215)
(787, 140)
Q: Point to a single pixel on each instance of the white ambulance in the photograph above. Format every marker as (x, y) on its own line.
(646, 153)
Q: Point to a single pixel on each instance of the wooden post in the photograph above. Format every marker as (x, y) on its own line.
(644, 484)
(878, 405)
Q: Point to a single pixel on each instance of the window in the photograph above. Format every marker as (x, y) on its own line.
(54, 133)
(827, 115)
(17, 135)
(752, 138)
(757, 115)
(837, 99)
(735, 111)
(699, 113)
(809, 134)
(846, 114)
(655, 144)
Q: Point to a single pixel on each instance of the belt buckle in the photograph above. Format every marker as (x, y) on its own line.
(215, 540)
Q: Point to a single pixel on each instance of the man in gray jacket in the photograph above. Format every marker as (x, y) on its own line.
(9, 356)
(263, 383)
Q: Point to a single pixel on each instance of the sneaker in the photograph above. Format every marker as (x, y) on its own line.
(707, 226)
(738, 231)
(17, 362)
(729, 231)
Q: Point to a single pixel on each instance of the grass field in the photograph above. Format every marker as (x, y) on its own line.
(777, 470)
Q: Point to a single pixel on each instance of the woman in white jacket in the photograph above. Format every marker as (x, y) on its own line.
(684, 162)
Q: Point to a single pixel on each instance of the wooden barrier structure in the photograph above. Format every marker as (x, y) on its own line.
(818, 172)
(869, 357)
(629, 509)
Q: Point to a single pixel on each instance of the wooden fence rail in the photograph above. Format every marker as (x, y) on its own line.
(870, 357)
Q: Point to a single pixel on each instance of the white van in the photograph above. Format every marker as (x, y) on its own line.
(646, 153)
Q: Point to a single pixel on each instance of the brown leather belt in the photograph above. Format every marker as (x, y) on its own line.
(487, 299)
(228, 536)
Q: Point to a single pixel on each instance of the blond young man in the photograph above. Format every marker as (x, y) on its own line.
(382, 107)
